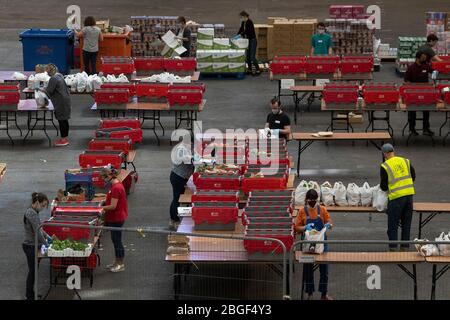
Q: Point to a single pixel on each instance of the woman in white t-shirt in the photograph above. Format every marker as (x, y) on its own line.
(91, 35)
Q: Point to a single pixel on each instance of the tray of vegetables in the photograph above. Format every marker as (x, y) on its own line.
(69, 248)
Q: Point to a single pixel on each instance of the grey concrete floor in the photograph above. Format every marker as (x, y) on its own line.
(231, 104)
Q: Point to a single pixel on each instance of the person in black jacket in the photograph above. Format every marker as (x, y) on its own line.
(247, 31)
(184, 34)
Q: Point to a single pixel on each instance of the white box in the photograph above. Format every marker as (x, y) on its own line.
(220, 67)
(220, 56)
(239, 43)
(204, 44)
(205, 67)
(221, 43)
(205, 56)
(236, 67)
(205, 34)
(236, 55)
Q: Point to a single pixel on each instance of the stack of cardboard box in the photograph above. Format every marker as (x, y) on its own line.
(262, 37)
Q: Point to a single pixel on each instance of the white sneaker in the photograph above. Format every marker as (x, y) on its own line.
(109, 266)
(118, 268)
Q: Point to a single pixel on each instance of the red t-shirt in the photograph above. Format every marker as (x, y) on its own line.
(120, 214)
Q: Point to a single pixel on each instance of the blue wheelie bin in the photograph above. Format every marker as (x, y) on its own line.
(42, 46)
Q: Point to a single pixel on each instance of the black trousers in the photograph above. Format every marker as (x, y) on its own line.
(178, 184)
(90, 62)
(29, 253)
(64, 128)
(116, 238)
(412, 120)
(399, 211)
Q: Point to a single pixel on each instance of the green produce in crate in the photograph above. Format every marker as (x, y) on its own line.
(59, 245)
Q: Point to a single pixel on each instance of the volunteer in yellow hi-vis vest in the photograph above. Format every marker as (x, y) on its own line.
(397, 178)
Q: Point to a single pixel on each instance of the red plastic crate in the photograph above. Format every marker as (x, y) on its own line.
(123, 145)
(93, 211)
(101, 158)
(288, 65)
(149, 63)
(335, 11)
(112, 96)
(420, 97)
(117, 65)
(194, 86)
(275, 182)
(349, 66)
(90, 262)
(342, 85)
(268, 246)
(340, 95)
(210, 213)
(10, 86)
(215, 196)
(132, 123)
(71, 232)
(321, 66)
(447, 97)
(217, 182)
(373, 95)
(180, 65)
(135, 135)
(158, 90)
(181, 96)
(9, 97)
(415, 86)
(441, 66)
(120, 85)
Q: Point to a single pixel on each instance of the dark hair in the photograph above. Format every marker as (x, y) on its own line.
(419, 54)
(311, 195)
(432, 37)
(182, 19)
(89, 21)
(39, 197)
(110, 171)
(244, 14)
(275, 100)
(321, 24)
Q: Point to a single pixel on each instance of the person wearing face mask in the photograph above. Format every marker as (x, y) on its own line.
(321, 42)
(278, 120)
(184, 35)
(247, 31)
(418, 73)
(116, 213)
(31, 222)
(314, 216)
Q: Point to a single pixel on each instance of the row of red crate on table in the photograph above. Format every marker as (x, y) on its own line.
(128, 65)
(175, 94)
(326, 64)
(268, 214)
(387, 93)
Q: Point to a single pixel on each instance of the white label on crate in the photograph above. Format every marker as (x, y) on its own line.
(287, 83)
(184, 211)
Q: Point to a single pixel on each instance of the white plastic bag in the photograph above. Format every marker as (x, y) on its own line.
(314, 185)
(31, 82)
(327, 194)
(444, 249)
(315, 235)
(426, 250)
(366, 195)
(190, 184)
(123, 78)
(82, 79)
(96, 82)
(340, 194)
(379, 199)
(300, 193)
(353, 195)
(19, 76)
(42, 77)
(41, 98)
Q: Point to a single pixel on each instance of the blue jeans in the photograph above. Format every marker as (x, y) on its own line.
(178, 184)
(116, 237)
(308, 275)
(400, 211)
(90, 62)
(251, 54)
(29, 253)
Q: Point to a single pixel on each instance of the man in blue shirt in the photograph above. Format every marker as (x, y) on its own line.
(321, 43)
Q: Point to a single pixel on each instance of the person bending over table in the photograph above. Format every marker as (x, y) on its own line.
(184, 35)
(397, 177)
(59, 94)
(116, 213)
(182, 170)
(92, 36)
(31, 223)
(314, 216)
(418, 73)
(278, 120)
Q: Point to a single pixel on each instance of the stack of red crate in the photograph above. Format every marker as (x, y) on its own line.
(268, 214)
(9, 96)
(118, 65)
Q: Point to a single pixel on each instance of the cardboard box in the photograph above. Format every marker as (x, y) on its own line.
(271, 20)
(205, 67)
(221, 44)
(220, 67)
(205, 44)
(236, 56)
(204, 56)
(219, 56)
(304, 27)
(205, 34)
(285, 26)
(270, 43)
(236, 67)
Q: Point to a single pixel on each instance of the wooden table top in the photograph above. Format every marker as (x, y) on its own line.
(307, 88)
(155, 106)
(308, 136)
(432, 206)
(438, 259)
(131, 156)
(364, 257)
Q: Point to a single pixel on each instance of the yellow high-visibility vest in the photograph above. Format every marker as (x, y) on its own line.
(400, 182)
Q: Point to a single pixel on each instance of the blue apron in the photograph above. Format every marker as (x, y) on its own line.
(318, 223)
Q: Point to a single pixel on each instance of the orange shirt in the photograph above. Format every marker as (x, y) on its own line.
(300, 220)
